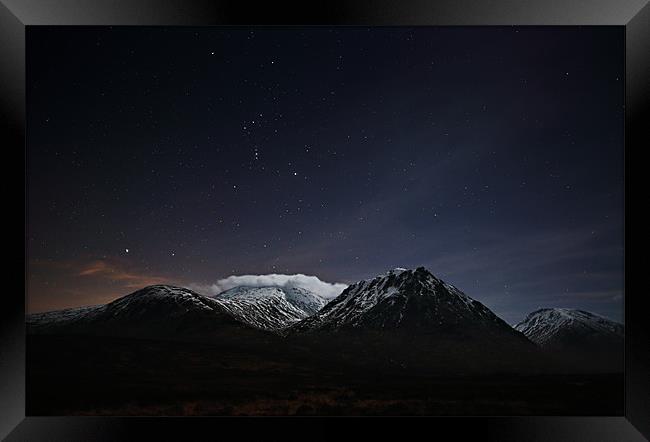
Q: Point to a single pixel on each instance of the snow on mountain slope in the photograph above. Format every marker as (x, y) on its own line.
(42, 322)
(407, 299)
(269, 308)
(305, 300)
(163, 308)
(558, 326)
(578, 338)
(174, 301)
(152, 311)
(409, 319)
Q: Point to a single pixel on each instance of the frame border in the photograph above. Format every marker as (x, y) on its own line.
(16, 15)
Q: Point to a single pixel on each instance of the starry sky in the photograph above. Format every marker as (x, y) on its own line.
(493, 156)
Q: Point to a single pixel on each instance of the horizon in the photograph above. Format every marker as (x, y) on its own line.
(209, 291)
(491, 156)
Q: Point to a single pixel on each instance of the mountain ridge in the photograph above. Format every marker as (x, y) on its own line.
(269, 308)
(361, 303)
(577, 336)
(401, 318)
(265, 308)
(412, 320)
(551, 318)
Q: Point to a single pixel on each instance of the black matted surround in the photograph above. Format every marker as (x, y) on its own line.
(15, 15)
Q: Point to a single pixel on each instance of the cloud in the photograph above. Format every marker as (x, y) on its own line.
(54, 285)
(113, 272)
(312, 283)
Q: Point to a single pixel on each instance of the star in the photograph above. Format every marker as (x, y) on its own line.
(126, 250)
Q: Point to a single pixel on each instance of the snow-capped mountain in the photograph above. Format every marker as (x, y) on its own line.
(576, 335)
(554, 327)
(305, 300)
(403, 299)
(154, 311)
(161, 310)
(269, 308)
(50, 321)
(403, 319)
(410, 318)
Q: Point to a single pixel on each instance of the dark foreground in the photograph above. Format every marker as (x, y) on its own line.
(118, 376)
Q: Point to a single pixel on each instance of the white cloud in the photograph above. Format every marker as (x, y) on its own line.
(312, 283)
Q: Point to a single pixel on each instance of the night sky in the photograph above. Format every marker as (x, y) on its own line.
(491, 156)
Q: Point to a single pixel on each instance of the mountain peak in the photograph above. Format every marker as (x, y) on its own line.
(400, 298)
(162, 290)
(587, 339)
(385, 317)
(567, 314)
(548, 326)
(271, 307)
(159, 301)
(417, 271)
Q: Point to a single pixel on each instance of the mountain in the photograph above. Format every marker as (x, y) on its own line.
(168, 311)
(403, 319)
(52, 321)
(405, 300)
(580, 337)
(411, 317)
(157, 311)
(269, 308)
(305, 300)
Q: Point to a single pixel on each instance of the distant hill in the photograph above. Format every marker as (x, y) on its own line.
(576, 336)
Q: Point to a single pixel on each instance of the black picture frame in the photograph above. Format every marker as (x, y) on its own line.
(17, 15)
